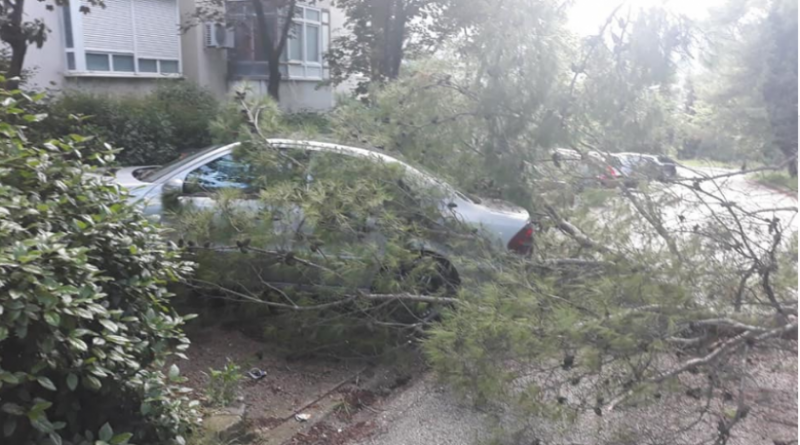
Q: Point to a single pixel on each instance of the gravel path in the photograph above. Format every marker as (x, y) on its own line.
(427, 414)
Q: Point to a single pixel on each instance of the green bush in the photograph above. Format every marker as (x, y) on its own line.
(189, 109)
(223, 384)
(85, 319)
(149, 129)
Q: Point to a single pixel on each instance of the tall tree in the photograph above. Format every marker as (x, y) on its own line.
(746, 106)
(382, 33)
(780, 87)
(18, 33)
(271, 21)
(274, 46)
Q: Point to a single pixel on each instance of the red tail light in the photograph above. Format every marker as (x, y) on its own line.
(522, 242)
(611, 173)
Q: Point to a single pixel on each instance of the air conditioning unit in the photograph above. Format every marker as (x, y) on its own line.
(216, 35)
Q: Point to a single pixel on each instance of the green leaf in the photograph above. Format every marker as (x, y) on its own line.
(8, 377)
(40, 407)
(106, 432)
(72, 381)
(118, 339)
(121, 438)
(108, 324)
(9, 426)
(52, 318)
(174, 372)
(55, 438)
(46, 383)
(78, 344)
(92, 382)
(13, 409)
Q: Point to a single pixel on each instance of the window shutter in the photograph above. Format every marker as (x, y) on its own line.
(109, 28)
(157, 33)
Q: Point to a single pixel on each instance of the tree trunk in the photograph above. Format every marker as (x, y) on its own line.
(395, 38)
(274, 81)
(12, 34)
(273, 50)
(390, 26)
(18, 51)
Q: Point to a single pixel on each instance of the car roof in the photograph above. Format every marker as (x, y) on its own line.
(359, 152)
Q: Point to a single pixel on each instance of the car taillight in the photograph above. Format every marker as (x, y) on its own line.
(611, 173)
(522, 242)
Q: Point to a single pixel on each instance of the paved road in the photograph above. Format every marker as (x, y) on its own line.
(745, 192)
(428, 414)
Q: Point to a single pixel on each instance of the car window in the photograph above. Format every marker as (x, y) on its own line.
(177, 164)
(221, 173)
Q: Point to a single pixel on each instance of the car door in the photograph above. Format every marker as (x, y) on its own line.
(221, 201)
(343, 235)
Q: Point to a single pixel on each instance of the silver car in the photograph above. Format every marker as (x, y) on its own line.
(498, 221)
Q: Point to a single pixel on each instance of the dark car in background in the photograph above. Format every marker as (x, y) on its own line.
(642, 166)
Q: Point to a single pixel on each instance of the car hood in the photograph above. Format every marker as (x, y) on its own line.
(128, 178)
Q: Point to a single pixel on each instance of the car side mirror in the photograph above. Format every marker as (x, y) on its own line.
(173, 187)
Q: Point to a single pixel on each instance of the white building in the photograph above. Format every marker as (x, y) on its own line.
(130, 45)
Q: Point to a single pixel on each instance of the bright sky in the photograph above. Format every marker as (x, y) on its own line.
(586, 16)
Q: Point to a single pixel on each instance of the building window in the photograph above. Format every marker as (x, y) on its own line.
(303, 57)
(126, 37)
(97, 62)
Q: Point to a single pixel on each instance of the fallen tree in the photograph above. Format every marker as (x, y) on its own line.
(645, 310)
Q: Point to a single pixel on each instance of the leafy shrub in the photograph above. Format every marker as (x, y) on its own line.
(223, 383)
(189, 109)
(231, 125)
(85, 320)
(150, 129)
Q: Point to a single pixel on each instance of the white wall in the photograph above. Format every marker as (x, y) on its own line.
(295, 95)
(112, 85)
(205, 66)
(48, 62)
(302, 95)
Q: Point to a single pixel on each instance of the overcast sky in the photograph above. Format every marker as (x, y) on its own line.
(586, 16)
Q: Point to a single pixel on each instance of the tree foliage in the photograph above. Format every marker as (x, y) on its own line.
(382, 32)
(632, 299)
(744, 105)
(149, 130)
(85, 319)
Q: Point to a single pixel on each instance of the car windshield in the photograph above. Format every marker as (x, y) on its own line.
(159, 173)
(425, 176)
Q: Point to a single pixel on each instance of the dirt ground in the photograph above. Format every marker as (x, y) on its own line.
(287, 387)
(379, 407)
(294, 386)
